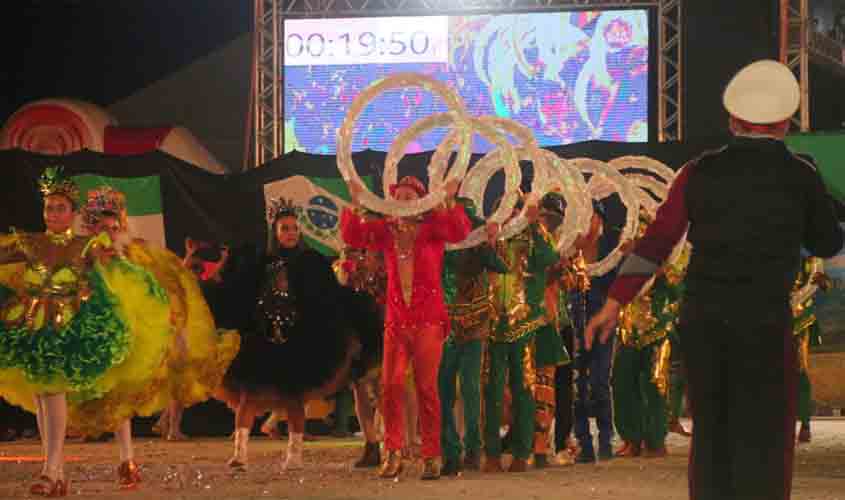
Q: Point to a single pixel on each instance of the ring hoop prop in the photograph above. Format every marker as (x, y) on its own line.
(650, 165)
(483, 172)
(661, 191)
(649, 188)
(344, 141)
(564, 178)
(459, 136)
(440, 159)
(602, 172)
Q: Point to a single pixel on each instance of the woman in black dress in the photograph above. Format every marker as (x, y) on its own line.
(303, 341)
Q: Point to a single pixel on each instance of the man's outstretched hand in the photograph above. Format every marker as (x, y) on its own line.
(602, 324)
(355, 190)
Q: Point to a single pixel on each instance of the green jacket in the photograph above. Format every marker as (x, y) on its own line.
(466, 289)
(519, 295)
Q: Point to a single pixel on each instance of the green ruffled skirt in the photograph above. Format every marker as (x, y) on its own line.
(70, 359)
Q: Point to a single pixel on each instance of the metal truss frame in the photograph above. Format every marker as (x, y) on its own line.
(351, 8)
(795, 52)
(670, 71)
(268, 86)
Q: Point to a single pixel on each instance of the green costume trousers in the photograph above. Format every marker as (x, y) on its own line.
(676, 394)
(639, 409)
(805, 399)
(464, 360)
(677, 383)
(514, 362)
(344, 406)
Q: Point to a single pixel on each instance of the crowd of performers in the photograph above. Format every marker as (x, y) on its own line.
(100, 328)
(97, 329)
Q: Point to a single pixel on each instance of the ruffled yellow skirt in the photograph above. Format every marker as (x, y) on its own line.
(176, 351)
(130, 387)
(200, 354)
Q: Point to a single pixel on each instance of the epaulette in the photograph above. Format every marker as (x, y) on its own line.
(705, 155)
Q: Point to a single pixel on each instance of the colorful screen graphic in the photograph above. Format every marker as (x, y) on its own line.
(570, 76)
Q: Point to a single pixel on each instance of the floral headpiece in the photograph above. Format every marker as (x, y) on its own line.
(53, 182)
(104, 200)
(281, 207)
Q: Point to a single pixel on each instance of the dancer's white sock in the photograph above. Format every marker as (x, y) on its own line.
(123, 435)
(42, 431)
(55, 419)
(241, 444)
(293, 461)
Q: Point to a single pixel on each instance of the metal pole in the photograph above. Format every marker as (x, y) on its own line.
(256, 83)
(277, 19)
(784, 31)
(679, 71)
(805, 66)
(662, 110)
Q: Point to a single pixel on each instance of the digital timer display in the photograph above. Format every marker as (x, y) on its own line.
(382, 40)
(569, 76)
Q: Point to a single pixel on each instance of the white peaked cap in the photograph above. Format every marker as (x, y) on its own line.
(763, 92)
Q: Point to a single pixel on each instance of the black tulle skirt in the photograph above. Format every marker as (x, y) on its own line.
(321, 355)
(335, 337)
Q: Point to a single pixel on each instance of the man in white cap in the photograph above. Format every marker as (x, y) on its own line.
(749, 208)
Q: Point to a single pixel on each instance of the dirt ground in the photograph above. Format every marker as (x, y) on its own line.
(196, 470)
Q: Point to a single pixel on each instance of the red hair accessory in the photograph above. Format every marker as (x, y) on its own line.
(409, 182)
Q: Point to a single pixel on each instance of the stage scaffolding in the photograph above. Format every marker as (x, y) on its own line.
(801, 44)
(268, 86)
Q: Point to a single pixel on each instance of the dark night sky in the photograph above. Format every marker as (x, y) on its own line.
(103, 50)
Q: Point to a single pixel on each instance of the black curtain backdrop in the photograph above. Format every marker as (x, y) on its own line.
(230, 208)
(720, 38)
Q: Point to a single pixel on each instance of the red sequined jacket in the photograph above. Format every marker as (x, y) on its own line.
(437, 228)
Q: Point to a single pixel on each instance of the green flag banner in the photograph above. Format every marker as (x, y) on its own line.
(143, 203)
(828, 149)
(321, 199)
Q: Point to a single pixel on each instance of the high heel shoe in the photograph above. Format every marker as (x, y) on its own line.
(128, 475)
(49, 488)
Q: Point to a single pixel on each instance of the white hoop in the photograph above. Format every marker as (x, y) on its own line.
(344, 141)
(475, 186)
(566, 179)
(457, 137)
(629, 199)
(645, 163)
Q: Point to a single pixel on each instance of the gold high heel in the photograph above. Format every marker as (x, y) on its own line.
(128, 475)
(49, 488)
(392, 465)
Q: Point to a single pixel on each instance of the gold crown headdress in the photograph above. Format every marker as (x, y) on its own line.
(53, 182)
(101, 201)
(281, 207)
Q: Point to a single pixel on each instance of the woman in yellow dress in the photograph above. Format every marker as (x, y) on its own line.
(194, 357)
(135, 382)
(62, 330)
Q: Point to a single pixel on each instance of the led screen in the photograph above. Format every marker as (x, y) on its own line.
(569, 76)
